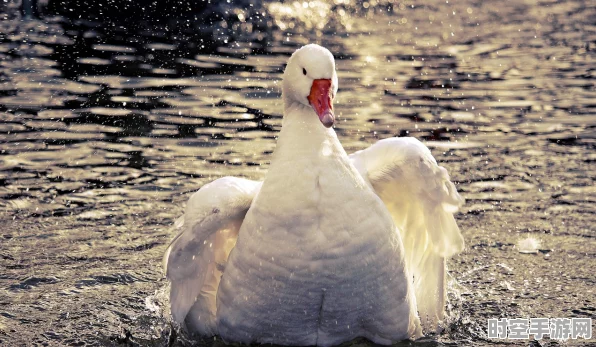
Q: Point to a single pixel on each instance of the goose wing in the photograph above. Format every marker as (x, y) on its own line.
(422, 200)
(196, 257)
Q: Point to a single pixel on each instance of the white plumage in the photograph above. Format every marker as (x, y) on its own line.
(329, 247)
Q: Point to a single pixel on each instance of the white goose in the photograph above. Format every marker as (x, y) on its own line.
(329, 247)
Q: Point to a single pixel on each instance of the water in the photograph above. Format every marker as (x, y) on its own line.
(106, 129)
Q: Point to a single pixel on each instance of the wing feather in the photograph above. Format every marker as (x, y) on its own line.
(196, 257)
(421, 199)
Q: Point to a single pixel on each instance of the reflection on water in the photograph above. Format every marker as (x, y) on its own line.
(106, 128)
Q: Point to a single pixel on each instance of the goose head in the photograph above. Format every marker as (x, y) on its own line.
(310, 80)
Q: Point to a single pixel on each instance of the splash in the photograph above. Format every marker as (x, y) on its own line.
(529, 245)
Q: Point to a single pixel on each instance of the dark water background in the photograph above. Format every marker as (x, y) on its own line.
(105, 129)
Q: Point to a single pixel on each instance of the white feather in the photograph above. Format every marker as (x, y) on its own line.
(195, 260)
(421, 199)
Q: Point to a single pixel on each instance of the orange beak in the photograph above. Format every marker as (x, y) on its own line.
(320, 99)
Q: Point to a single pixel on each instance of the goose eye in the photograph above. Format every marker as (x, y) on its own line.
(304, 71)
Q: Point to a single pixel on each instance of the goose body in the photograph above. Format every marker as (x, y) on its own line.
(314, 254)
